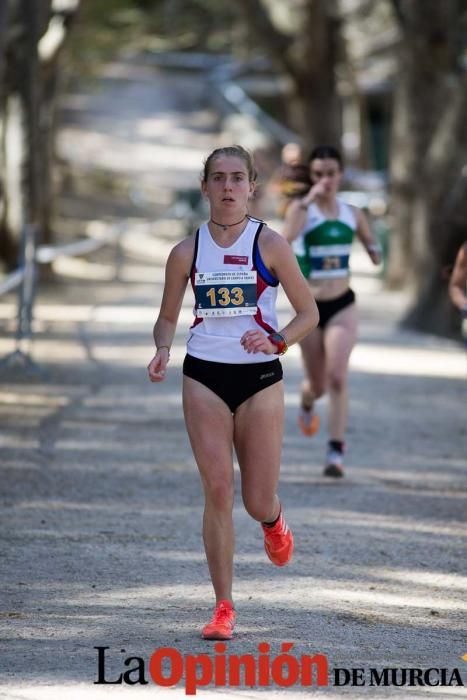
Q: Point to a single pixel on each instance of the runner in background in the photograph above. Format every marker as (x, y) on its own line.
(321, 228)
(458, 286)
(232, 376)
(292, 177)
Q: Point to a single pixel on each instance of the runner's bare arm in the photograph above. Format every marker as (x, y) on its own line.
(458, 280)
(176, 277)
(280, 260)
(366, 237)
(294, 221)
(296, 214)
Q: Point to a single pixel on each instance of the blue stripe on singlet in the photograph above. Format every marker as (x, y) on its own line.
(259, 264)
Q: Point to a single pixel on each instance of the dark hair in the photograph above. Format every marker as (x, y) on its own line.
(235, 151)
(326, 152)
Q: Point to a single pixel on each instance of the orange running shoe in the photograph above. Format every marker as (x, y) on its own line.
(278, 542)
(222, 623)
(308, 422)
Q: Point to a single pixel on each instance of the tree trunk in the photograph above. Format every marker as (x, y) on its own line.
(20, 135)
(315, 77)
(53, 30)
(309, 60)
(428, 141)
(46, 137)
(29, 92)
(7, 250)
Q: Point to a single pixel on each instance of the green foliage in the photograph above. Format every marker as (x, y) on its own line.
(104, 27)
(101, 28)
(202, 25)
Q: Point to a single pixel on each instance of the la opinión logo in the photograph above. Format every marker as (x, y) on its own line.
(168, 667)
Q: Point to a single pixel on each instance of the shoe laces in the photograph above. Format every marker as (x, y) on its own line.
(222, 614)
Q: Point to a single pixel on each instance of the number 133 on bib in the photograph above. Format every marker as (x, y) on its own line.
(227, 293)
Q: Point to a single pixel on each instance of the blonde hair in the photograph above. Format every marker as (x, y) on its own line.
(236, 152)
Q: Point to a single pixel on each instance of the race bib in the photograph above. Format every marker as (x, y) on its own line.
(228, 293)
(329, 261)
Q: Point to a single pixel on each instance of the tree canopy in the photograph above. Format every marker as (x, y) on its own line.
(339, 57)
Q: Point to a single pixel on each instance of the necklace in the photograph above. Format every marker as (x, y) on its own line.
(226, 226)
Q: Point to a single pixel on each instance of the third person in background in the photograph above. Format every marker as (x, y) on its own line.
(458, 280)
(458, 286)
(321, 228)
(292, 178)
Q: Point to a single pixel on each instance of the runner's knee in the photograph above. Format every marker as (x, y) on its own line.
(258, 507)
(219, 495)
(315, 389)
(318, 391)
(337, 381)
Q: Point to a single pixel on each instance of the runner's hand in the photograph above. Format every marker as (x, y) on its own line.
(157, 366)
(256, 341)
(317, 190)
(374, 252)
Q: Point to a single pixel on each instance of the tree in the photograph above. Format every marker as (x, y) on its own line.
(4, 16)
(428, 142)
(19, 112)
(428, 153)
(306, 51)
(31, 34)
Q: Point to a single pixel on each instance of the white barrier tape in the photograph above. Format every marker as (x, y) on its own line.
(11, 281)
(238, 98)
(47, 253)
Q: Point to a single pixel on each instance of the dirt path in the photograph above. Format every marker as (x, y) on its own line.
(101, 502)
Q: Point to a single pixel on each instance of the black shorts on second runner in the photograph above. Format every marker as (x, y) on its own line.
(233, 383)
(329, 307)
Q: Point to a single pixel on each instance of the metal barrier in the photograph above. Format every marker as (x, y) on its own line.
(25, 276)
(222, 72)
(11, 281)
(222, 80)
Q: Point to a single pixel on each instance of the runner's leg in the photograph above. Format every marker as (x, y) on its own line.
(312, 347)
(259, 426)
(313, 385)
(210, 428)
(339, 339)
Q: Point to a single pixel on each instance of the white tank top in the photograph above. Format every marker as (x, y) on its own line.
(234, 293)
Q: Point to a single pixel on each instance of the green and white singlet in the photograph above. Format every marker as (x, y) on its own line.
(323, 247)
